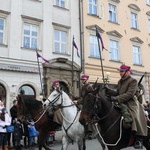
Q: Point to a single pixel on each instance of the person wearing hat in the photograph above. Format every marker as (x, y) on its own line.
(124, 97)
(87, 87)
(56, 85)
(5, 120)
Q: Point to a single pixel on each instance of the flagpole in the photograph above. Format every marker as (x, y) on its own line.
(100, 58)
(40, 73)
(72, 64)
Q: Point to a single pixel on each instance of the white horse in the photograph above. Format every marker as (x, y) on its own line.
(71, 128)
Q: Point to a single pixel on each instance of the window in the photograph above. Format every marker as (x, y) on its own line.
(93, 7)
(149, 26)
(134, 20)
(60, 3)
(136, 55)
(112, 13)
(60, 41)
(2, 30)
(94, 50)
(114, 50)
(148, 2)
(30, 36)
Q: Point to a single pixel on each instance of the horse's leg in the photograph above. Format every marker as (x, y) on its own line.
(101, 142)
(65, 143)
(81, 144)
(42, 140)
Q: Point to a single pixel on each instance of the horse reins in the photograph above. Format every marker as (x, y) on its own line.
(100, 119)
(43, 112)
(60, 107)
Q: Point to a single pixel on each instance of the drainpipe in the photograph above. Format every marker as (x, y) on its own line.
(81, 26)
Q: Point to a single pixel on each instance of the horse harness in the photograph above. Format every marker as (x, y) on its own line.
(29, 116)
(60, 106)
(94, 121)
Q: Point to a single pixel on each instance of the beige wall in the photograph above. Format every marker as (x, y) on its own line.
(92, 65)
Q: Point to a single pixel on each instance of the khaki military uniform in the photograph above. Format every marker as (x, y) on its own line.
(125, 94)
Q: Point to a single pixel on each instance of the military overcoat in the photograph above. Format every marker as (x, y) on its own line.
(125, 93)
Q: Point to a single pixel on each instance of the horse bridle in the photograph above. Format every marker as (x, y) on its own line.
(93, 114)
(29, 116)
(51, 103)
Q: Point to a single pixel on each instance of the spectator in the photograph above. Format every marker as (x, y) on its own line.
(13, 113)
(32, 134)
(5, 120)
(17, 134)
(1, 106)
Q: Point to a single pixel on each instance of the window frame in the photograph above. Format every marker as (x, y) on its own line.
(115, 13)
(148, 2)
(148, 25)
(5, 14)
(134, 20)
(59, 5)
(135, 45)
(60, 42)
(95, 44)
(3, 31)
(30, 36)
(117, 49)
(34, 22)
(96, 6)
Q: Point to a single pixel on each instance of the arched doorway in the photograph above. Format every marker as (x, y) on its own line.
(26, 91)
(3, 94)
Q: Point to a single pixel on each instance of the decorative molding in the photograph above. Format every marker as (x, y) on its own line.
(4, 12)
(31, 18)
(61, 25)
(93, 27)
(114, 33)
(137, 40)
(135, 7)
(116, 1)
(148, 13)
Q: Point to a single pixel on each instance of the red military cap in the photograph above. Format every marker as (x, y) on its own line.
(125, 68)
(84, 77)
(55, 82)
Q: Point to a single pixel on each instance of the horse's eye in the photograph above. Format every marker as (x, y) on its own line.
(55, 95)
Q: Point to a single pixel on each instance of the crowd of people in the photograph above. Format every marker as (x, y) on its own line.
(125, 97)
(21, 133)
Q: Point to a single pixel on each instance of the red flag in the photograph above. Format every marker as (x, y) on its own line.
(38, 55)
(75, 45)
(99, 36)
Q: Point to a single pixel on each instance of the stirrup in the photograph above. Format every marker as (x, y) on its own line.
(138, 144)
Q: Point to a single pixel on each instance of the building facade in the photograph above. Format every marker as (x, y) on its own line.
(125, 29)
(49, 27)
(28, 27)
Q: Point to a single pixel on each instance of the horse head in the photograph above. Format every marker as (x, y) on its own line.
(21, 109)
(28, 108)
(95, 107)
(55, 99)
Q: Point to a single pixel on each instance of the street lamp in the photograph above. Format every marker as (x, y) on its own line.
(106, 79)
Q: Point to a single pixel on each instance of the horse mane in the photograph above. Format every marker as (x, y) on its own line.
(35, 104)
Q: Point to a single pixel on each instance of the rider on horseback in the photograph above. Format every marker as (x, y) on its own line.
(126, 100)
(87, 87)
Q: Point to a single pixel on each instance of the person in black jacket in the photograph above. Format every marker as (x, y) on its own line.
(13, 113)
(17, 134)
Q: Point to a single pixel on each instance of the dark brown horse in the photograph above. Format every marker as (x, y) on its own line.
(98, 108)
(30, 108)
